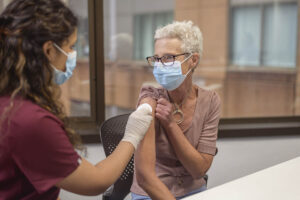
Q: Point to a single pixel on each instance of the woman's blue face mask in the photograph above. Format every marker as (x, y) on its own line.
(59, 76)
(170, 76)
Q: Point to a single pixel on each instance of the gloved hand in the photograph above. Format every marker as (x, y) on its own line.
(138, 124)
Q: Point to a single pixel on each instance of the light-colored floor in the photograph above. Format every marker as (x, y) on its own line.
(237, 157)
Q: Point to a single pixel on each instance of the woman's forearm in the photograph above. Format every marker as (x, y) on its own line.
(89, 179)
(196, 163)
(153, 186)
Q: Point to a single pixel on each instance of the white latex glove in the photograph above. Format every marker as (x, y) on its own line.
(138, 124)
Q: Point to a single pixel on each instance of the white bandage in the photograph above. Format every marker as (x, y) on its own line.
(138, 124)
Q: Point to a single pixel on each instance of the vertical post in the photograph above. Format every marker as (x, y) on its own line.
(297, 85)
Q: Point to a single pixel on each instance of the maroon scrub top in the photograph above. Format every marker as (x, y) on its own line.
(35, 152)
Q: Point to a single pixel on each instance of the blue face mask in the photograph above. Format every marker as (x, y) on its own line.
(169, 77)
(59, 76)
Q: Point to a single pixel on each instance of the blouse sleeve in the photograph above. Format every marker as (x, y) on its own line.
(152, 92)
(42, 150)
(207, 141)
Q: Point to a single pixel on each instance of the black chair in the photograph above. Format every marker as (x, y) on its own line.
(111, 133)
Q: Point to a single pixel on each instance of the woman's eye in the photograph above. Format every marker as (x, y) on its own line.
(168, 57)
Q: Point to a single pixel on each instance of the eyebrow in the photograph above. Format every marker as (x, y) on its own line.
(167, 54)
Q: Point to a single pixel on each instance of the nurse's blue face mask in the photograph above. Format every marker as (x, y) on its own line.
(169, 74)
(59, 76)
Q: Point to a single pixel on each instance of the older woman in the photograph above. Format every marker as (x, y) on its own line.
(179, 146)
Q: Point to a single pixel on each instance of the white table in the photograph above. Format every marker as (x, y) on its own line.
(279, 182)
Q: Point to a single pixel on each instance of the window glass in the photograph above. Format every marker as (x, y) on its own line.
(129, 27)
(246, 36)
(253, 69)
(262, 78)
(254, 72)
(264, 34)
(76, 91)
(144, 29)
(280, 35)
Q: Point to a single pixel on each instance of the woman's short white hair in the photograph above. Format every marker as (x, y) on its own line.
(189, 34)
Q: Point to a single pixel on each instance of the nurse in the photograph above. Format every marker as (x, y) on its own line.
(37, 155)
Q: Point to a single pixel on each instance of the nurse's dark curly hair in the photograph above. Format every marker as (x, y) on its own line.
(25, 72)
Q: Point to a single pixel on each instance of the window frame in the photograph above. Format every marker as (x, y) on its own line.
(262, 7)
(88, 127)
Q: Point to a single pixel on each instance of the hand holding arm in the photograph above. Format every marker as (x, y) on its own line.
(163, 112)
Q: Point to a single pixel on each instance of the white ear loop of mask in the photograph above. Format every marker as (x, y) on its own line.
(60, 49)
(189, 69)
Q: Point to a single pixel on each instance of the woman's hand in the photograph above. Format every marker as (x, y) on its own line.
(163, 112)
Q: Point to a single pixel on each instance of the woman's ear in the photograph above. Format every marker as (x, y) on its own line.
(49, 50)
(195, 59)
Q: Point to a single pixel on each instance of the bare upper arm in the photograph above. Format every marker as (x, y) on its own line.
(145, 153)
(145, 158)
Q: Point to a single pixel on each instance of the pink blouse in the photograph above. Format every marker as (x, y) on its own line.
(202, 134)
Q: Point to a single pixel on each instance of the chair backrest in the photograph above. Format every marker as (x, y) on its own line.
(111, 133)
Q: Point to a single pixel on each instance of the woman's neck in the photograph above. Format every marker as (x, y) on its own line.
(185, 91)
